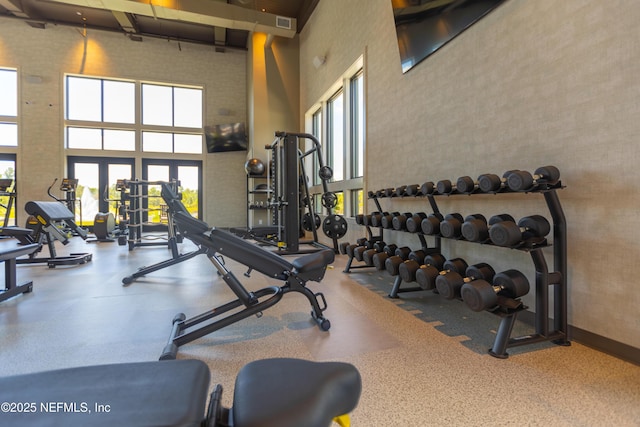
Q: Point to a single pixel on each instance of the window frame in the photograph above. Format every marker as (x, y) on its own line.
(350, 184)
(9, 119)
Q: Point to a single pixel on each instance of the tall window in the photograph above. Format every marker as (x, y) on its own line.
(335, 143)
(357, 125)
(102, 114)
(342, 136)
(171, 119)
(8, 107)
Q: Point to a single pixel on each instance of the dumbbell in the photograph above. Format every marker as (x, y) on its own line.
(367, 256)
(412, 190)
(476, 229)
(427, 274)
(431, 224)
(508, 233)
(358, 252)
(414, 222)
(407, 270)
(388, 192)
(350, 249)
(481, 295)
(387, 220)
(343, 247)
(445, 186)
(449, 283)
(392, 264)
(400, 191)
(371, 194)
(366, 219)
(380, 257)
(451, 226)
(376, 219)
(427, 188)
(489, 183)
(523, 181)
(360, 219)
(400, 222)
(466, 184)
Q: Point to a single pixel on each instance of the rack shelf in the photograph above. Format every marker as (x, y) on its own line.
(545, 277)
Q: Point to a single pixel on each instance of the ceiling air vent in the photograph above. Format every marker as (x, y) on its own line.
(283, 22)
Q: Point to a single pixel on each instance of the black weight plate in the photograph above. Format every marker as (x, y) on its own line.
(334, 226)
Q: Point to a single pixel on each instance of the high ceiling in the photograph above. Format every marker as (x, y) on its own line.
(221, 23)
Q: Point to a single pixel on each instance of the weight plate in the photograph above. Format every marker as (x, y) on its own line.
(334, 226)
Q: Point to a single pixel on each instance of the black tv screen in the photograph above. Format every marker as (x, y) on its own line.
(226, 137)
(424, 26)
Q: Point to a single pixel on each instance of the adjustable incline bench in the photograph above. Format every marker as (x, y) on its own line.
(217, 243)
(48, 216)
(268, 393)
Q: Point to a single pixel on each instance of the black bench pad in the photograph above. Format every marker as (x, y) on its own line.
(168, 393)
(285, 392)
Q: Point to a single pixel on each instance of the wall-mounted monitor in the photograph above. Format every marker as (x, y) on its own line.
(424, 26)
(226, 137)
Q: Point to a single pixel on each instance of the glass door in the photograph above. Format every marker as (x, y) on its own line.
(187, 172)
(97, 185)
(7, 190)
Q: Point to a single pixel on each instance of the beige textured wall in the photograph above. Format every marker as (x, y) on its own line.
(56, 50)
(533, 83)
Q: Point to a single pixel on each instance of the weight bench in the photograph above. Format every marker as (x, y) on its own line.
(8, 254)
(271, 392)
(215, 244)
(47, 218)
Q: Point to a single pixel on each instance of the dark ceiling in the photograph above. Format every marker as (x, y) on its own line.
(220, 23)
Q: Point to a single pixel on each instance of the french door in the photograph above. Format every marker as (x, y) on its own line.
(189, 175)
(97, 189)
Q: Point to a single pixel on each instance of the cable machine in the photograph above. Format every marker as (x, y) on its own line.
(290, 195)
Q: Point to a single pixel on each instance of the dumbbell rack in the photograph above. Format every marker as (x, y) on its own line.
(544, 278)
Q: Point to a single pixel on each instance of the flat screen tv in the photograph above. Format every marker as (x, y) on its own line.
(226, 137)
(424, 26)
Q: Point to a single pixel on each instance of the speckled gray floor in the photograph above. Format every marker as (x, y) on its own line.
(423, 360)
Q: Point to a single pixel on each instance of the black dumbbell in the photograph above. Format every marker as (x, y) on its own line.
(414, 222)
(427, 188)
(407, 270)
(431, 224)
(381, 193)
(400, 191)
(392, 264)
(508, 233)
(481, 295)
(523, 181)
(360, 219)
(366, 219)
(412, 190)
(371, 194)
(350, 249)
(387, 220)
(466, 184)
(376, 219)
(476, 229)
(343, 247)
(399, 222)
(445, 186)
(451, 226)
(427, 274)
(380, 257)
(389, 192)
(367, 256)
(450, 283)
(490, 183)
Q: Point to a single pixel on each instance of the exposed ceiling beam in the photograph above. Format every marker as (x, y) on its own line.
(125, 21)
(219, 36)
(216, 14)
(13, 9)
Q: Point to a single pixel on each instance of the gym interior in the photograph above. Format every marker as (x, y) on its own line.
(543, 95)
